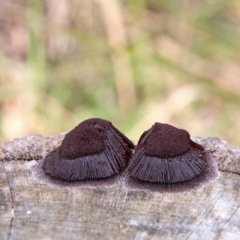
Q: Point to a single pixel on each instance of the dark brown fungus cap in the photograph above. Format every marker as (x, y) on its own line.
(166, 154)
(92, 150)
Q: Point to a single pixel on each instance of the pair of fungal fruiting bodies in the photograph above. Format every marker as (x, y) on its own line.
(95, 149)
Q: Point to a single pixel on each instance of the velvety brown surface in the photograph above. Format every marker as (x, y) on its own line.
(82, 141)
(167, 141)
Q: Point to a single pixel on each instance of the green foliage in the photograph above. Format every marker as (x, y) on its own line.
(131, 62)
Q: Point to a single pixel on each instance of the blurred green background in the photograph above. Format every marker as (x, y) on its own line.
(131, 62)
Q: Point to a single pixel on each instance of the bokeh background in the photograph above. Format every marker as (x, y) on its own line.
(131, 62)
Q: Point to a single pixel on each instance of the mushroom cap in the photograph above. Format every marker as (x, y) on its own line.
(92, 150)
(166, 154)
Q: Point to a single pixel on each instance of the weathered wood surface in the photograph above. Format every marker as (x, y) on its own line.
(31, 210)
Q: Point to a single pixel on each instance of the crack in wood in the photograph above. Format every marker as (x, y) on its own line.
(12, 203)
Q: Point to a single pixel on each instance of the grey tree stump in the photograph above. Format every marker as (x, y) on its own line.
(32, 210)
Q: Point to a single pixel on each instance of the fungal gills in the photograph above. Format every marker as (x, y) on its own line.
(166, 154)
(94, 149)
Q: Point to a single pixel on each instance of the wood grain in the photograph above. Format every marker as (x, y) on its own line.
(31, 210)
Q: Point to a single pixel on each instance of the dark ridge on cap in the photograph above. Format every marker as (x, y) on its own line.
(167, 141)
(51, 160)
(96, 166)
(92, 150)
(166, 154)
(209, 173)
(169, 170)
